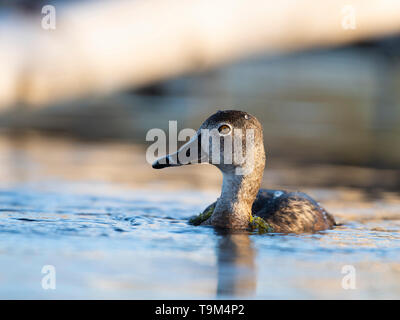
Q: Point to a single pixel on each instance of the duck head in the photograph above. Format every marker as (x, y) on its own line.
(232, 141)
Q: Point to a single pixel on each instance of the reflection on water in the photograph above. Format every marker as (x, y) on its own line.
(236, 266)
(115, 228)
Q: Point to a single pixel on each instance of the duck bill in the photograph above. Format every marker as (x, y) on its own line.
(190, 153)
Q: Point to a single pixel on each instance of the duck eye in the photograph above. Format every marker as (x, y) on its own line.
(224, 129)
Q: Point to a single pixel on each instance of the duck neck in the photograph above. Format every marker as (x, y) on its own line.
(233, 207)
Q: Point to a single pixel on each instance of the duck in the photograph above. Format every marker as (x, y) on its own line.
(233, 141)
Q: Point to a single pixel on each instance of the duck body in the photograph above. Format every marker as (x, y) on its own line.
(232, 141)
(287, 212)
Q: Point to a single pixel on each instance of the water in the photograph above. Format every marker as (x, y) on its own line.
(114, 228)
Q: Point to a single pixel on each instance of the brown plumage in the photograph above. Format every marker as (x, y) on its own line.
(289, 212)
(241, 197)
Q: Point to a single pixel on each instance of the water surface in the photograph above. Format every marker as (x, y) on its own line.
(114, 228)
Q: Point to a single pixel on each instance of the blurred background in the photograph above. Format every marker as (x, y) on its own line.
(82, 82)
(331, 114)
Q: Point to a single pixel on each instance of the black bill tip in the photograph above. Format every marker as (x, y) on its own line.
(158, 165)
(161, 163)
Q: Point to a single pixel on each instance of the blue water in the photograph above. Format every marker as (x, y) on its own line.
(108, 242)
(112, 227)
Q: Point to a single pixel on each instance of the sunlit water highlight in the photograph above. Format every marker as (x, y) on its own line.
(139, 245)
(112, 240)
